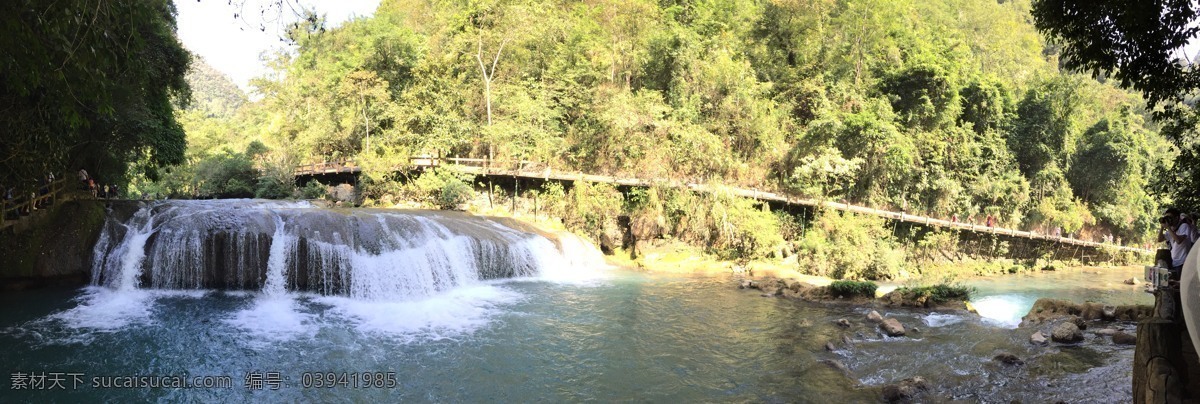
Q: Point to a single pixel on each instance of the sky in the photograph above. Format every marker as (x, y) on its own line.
(234, 45)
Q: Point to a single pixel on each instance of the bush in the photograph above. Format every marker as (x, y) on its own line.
(593, 209)
(848, 246)
(225, 175)
(729, 226)
(454, 193)
(314, 190)
(741, 230)
(939, 293)
(443, 189)
(272, 188)
(853, 288)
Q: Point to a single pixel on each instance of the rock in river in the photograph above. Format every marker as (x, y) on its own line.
(1124, 338)
(841, 322)
(1008, 359)
(874, 316)
(1037, 338)
(905, 390)
(892, 327)
(1067, 332)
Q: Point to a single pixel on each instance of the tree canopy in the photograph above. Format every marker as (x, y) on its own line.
(946, 107)
(1140, 45)
(89, 85)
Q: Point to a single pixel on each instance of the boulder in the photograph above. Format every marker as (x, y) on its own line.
(1008, 359)
(1045, 310)
(906, 390)
(1037, 338)
(874, 316)
(892, 327)
(1124, 338)
(844, 323)
(748, 284)
(1066, 332)
(1106, 331)
(1131, 281)
(829, 346)
(1079, 322)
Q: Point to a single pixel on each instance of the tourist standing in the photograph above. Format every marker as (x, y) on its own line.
(1177, 235)
(83, 179)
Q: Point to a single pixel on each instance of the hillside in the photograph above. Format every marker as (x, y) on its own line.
(948, 107)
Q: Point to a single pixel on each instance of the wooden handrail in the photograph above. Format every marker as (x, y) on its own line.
(22, 203)
(487, 166)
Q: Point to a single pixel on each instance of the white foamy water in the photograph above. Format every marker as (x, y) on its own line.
(1002, 310)
(101, 310)
(936, 319)
(447, 315)
(273, 319)
(414, 275)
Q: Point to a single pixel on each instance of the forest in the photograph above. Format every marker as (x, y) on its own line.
(947, 108)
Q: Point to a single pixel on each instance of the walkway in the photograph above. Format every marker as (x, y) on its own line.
(535, 170)
(13, 211)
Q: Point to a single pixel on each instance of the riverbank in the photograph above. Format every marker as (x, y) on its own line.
(54, 249)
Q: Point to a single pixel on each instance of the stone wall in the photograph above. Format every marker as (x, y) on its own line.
(1166, 368)
(52, 247)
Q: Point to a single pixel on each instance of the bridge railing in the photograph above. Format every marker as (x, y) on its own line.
(486, 164)
(22, 204)
(539, 169)
(327, 167)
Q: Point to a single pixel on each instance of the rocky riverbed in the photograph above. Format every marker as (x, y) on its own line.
(1057, 343)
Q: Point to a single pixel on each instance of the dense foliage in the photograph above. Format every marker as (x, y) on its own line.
(949, 107)
(1140, 45)
(89, 85)
(853, 289)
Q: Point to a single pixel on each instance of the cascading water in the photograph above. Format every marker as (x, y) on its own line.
(364, 254)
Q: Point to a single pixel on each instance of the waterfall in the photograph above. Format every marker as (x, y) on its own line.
(367, 254)
(282, 246)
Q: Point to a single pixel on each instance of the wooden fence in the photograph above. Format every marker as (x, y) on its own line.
(21, 205)
(537, 170)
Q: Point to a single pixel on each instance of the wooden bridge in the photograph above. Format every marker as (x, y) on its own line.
(12, 211)
(541, 171)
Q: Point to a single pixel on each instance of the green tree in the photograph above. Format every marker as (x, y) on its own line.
(1046, 128)
(89, 85)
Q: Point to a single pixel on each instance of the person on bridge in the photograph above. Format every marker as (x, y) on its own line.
(83, 178)
(1177, 234)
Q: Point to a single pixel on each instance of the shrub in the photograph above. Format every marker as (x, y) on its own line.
(453, 194)
(848, 246)
(939, 293)
(444, 189)
(272, 188)
(853, 288)
(741, 230)
(314, 190)
(225, 175)
(593, 209)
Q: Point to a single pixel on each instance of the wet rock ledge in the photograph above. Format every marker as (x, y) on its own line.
(794, 289)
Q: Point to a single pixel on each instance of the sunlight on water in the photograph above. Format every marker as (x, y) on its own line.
(1002, 310)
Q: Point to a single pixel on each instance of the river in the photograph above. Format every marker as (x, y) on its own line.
(594, 334)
